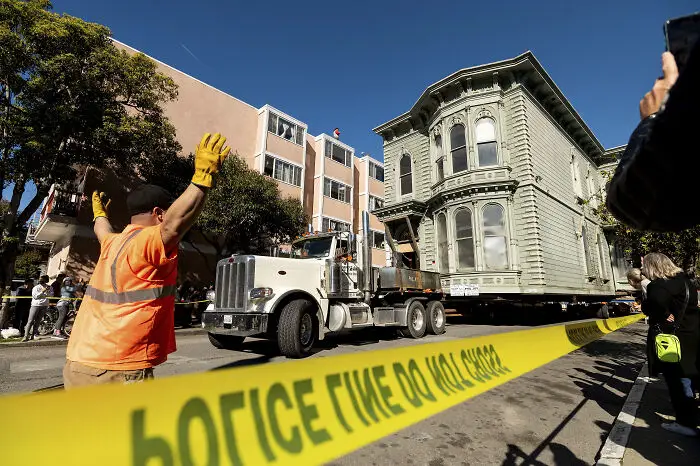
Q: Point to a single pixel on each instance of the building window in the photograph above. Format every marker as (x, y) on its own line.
(375, 203)
(376, 172)
(336, 190)
(328, 224)
(576, 177)
(486, 142)
(464, 236)
(458, 148)
(443, 251)
(586, 252)
(406, 175)
(338, 153)
(592, 191)
(282, 171)
(495, 249)
(376, 239)
(285, 129)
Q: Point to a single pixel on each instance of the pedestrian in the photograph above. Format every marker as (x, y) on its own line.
(22, 305)
(638, 281)
(67, 295)
(39, 305)
(672, 307)
(126, 324)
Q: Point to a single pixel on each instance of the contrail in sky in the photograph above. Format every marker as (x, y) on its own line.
(190, 52)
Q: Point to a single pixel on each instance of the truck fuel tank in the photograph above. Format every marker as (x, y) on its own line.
(400, 279)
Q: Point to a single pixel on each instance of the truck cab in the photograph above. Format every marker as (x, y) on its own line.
(326, 286)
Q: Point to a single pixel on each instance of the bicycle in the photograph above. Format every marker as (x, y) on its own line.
(50, 317)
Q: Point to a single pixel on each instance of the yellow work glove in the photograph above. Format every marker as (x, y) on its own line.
(208, 157)
(100, 204)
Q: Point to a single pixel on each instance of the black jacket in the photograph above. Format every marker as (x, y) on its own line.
(656, 178)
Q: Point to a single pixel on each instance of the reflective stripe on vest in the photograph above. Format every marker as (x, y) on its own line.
(124, 297)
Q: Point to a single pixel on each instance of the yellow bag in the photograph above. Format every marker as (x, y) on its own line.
(668, 346)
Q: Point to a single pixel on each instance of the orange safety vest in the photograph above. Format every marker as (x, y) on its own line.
(126, 320)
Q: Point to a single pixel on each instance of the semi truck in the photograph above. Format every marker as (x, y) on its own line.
(328, 285)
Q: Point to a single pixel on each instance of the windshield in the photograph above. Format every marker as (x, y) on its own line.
(312, 248)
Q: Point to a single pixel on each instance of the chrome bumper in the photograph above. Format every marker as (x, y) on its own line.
(228, 323)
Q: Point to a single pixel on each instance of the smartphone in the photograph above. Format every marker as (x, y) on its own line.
(681, 36)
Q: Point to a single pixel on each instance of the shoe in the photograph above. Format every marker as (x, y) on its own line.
(57, 335)
(25, 339)
(679, 429)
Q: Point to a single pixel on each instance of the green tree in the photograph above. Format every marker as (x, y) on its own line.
(682, 247)
(70, 98)
(245, 212)
(28, 264)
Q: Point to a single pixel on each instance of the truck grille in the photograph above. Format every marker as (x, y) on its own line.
(234, 280)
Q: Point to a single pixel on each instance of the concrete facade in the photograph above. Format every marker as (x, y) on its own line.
(269, 140)
(497, 178)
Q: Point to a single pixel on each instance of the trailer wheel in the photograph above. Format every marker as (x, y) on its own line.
(415, 321)
(229, 342)
(604, 312)
(436, 317)
(296, 331)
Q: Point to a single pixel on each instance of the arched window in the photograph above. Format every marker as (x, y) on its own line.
(443, 251)
(439, 163)
(495, 252)
(486, 142)
(458, 148)
(406, 174)
(464, 236)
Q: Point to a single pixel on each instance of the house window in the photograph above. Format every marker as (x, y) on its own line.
(376, 239)
(592, 191)
(285, 129)
(486, 142)
(375, 203)
(576, 177)
(405, 175)
(328, 224)
(338, 153)
(376, 172)
(464, 236)
(495, 249)
(458, 146)
(336, 190)
(443, 250)
(282, 171)
(586, 252)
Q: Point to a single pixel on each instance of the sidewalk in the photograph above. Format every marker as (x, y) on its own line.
(637, 438)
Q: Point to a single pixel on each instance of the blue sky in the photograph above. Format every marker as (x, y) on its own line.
(357, 64)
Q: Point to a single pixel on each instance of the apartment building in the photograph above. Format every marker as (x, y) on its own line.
(321, 171)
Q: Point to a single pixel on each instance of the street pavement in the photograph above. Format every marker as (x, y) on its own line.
(559, 414)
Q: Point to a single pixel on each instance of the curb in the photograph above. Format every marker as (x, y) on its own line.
(51, 342)
(615, 445)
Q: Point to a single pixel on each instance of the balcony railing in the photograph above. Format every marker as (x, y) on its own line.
(31, 237)
(61, 203)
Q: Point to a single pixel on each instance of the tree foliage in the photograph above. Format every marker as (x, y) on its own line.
(70, 98)
(682, 247)
(246, 213)
(28, 264)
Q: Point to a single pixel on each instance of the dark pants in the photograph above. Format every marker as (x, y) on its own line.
(20, 318)
(686, 409)
(62, 307)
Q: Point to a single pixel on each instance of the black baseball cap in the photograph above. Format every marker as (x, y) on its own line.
(147, 197)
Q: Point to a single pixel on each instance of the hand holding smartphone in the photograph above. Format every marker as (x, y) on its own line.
(681, 36)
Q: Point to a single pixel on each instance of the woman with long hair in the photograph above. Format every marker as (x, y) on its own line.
(672, 307)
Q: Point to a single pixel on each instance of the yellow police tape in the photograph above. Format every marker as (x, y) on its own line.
(299, 412)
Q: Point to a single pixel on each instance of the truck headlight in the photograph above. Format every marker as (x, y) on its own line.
(211, 295)
(261, 293)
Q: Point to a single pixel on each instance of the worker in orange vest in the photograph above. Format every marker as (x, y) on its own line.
(125, 326)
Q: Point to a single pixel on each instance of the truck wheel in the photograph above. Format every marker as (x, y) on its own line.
(604, 312)
(436, 317)
(229, 342)
(296, 331)
(415, 320)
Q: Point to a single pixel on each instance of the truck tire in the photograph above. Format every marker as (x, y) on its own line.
(604, 312)
(296, 331)
(435, 312)
(229, 342)
(415, 320)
